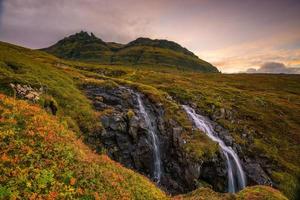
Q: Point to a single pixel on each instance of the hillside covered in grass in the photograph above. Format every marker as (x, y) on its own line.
(246, 105)
(42, 159)
(142, 51)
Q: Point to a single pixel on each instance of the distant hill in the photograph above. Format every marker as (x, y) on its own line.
(142, 51)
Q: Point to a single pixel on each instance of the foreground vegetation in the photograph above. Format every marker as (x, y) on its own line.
(253, 193)
(42, 159)
(255, 101)
(38, 69)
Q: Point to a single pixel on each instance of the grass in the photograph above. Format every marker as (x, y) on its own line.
(260, 192)
(249, 193)
(38, 69)
(141, 52)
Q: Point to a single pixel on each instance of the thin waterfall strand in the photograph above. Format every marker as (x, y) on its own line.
(154, 139)
(236, 175)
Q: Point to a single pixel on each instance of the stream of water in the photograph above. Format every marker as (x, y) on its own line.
(236, 175)
(154, 139)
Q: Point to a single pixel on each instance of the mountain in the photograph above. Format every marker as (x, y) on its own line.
(140, 52)
(80, 130)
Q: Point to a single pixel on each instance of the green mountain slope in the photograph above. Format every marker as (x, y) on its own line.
(254, 101)
(142, 51)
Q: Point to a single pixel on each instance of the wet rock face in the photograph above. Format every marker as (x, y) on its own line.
(125, 137)
(214, 172)
(125, 134)
(257, 167)
(127, 141)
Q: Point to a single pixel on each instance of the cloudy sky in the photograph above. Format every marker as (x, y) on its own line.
(232, 34)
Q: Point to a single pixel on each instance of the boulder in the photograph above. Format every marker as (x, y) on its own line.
(256, 174)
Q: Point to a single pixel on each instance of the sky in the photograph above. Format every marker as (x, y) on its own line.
(234, 35)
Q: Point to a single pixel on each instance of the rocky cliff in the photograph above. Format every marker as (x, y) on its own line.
(125, 137)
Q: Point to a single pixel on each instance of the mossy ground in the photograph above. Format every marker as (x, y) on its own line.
(249, 193)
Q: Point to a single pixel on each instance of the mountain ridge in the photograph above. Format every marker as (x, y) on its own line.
(142, 51)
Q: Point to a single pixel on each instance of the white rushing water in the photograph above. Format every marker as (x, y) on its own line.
(154, 139)
(236, 175)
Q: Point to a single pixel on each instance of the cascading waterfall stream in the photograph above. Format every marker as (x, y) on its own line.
(154, 139)
(236, 175)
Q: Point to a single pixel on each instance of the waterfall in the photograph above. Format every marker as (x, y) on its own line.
(236, 175)
(154, 139)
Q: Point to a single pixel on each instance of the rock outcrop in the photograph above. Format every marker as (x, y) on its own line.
(126, 140)
(35, 95)
(257, 167)
(27, 92)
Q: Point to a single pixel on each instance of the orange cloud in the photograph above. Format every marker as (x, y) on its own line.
(252, 54)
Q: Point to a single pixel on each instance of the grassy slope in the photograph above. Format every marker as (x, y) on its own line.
(63, 78)
(267, 105)
(253, 193)
(143, 55)
(41, 158)
(24, 66)
(82, 46)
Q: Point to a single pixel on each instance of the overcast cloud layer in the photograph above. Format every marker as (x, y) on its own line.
(234, 35)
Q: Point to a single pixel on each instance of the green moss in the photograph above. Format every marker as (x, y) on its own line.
(199, 146)
(249, 193)
(287, 183)
(130, 114)
(260, 193)
(205, 194)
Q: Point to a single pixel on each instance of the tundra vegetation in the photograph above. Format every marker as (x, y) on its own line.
(44, 156)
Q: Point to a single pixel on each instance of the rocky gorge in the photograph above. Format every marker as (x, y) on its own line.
(125, 136)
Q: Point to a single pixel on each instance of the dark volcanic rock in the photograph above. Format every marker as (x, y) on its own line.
(256, 168)
(127, 140)
(214, 172)
(256, 174)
